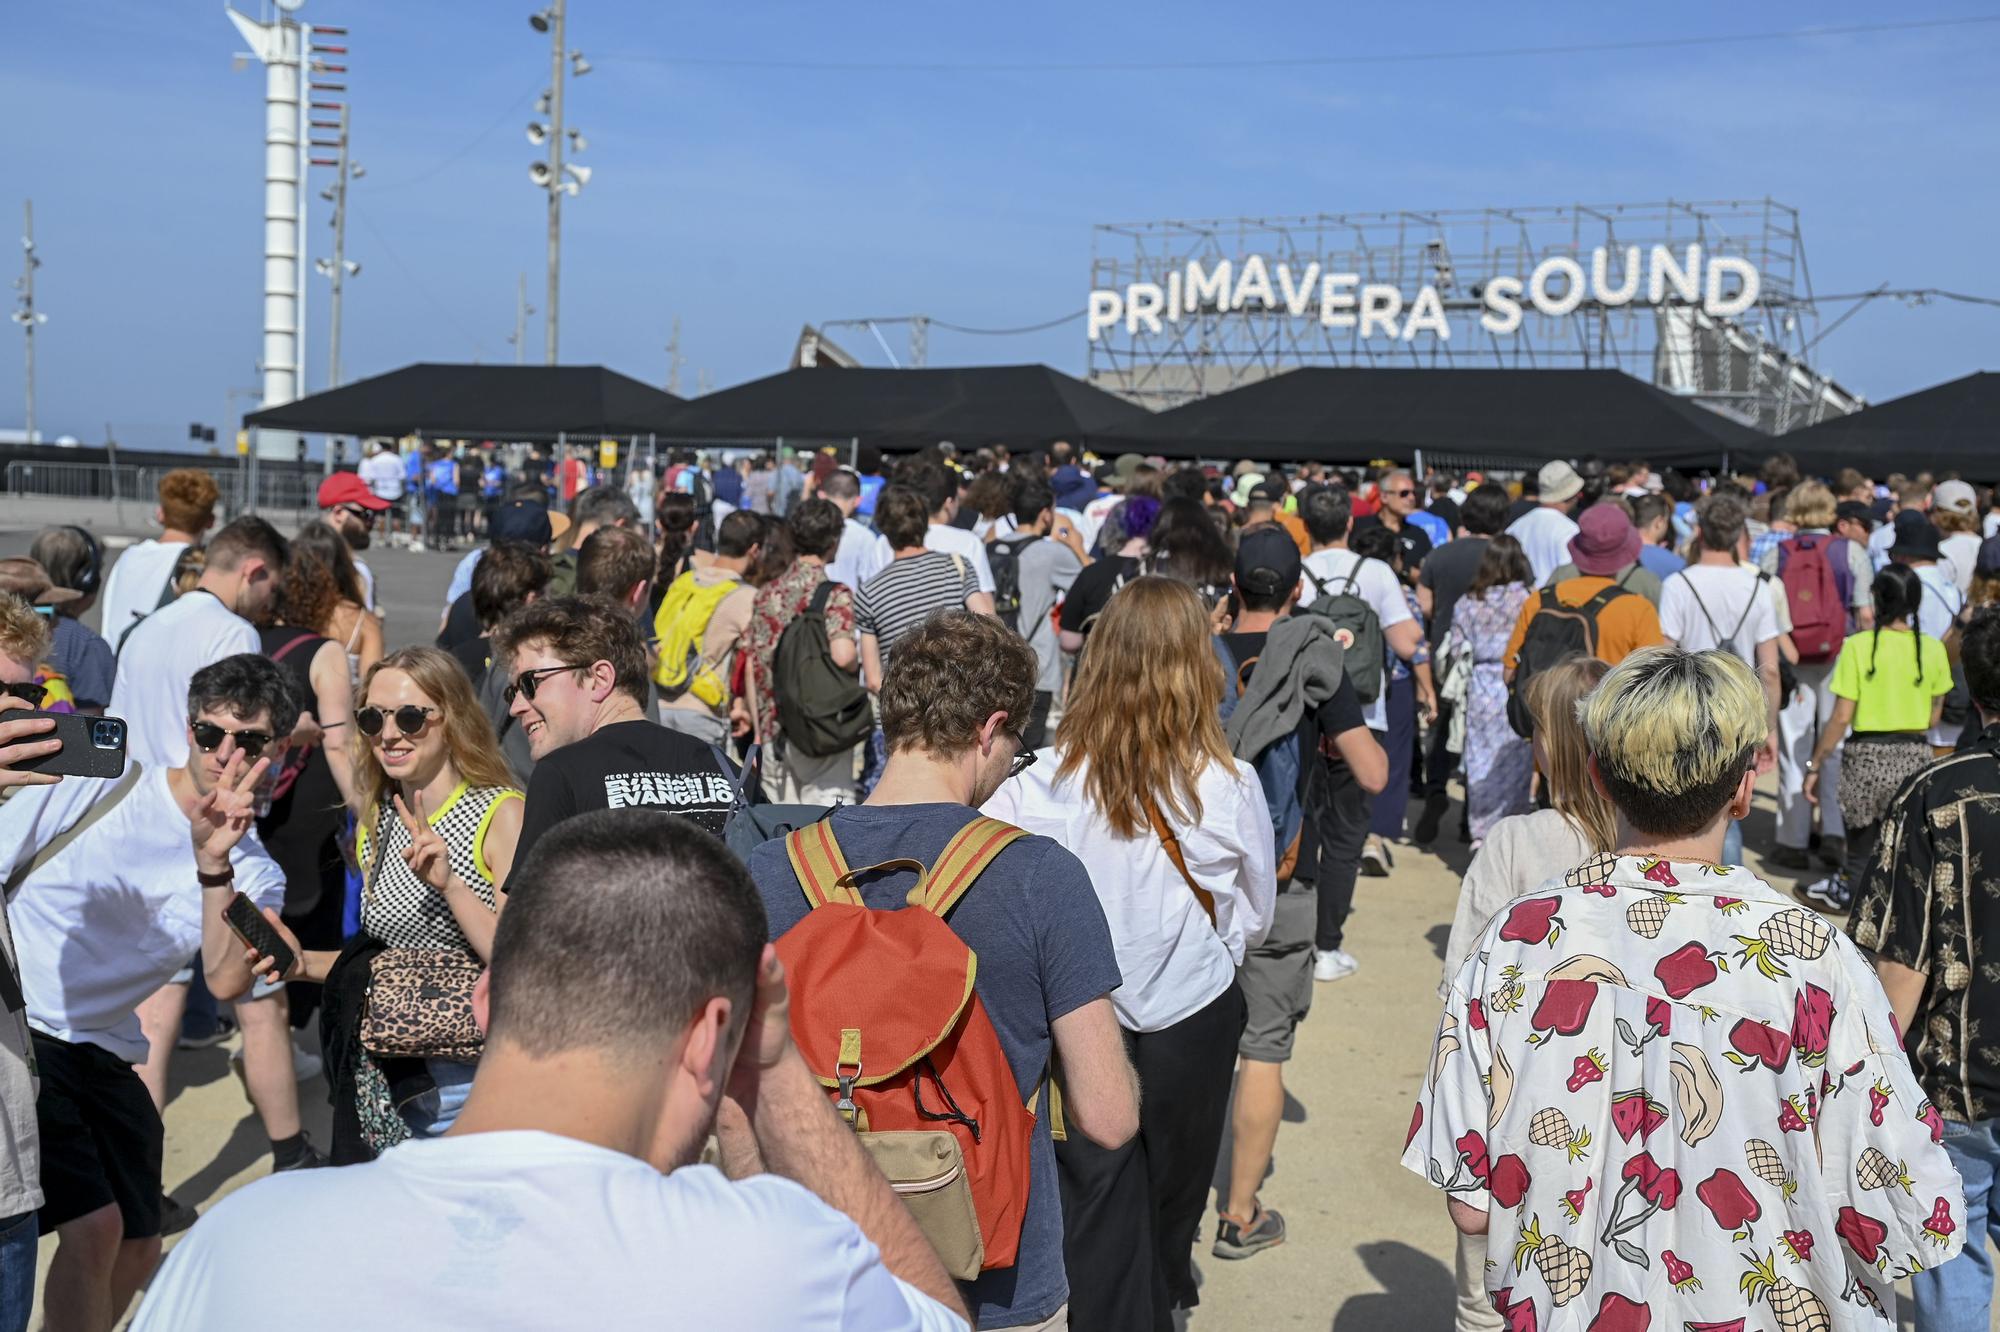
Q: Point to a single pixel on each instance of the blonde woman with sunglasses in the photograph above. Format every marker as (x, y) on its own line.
(440, 819)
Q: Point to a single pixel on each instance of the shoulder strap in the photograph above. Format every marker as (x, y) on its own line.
(1749, 604)
(817, 606)
(60, 842)
(1319, 584)
(964, 858)
(286, 650)
(1604, 597)
(1703, 607)
(1172, 844)
(820, 867)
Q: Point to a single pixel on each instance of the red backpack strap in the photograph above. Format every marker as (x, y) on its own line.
(821, 868)
(964, 858)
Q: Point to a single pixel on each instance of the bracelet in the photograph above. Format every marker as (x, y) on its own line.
(222, 880)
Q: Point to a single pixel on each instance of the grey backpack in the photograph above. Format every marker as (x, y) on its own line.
(1356, 625)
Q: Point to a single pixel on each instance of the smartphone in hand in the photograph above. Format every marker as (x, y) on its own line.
(91, 746)
(242, 916)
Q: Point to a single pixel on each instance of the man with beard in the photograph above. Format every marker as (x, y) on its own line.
(349, 508)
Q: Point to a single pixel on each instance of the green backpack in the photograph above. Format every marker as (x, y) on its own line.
(1356, 625)
(822, 709)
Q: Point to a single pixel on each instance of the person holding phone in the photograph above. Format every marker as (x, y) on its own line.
(440, 819)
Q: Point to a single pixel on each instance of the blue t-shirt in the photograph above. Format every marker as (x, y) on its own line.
(413, 466)
(1044, 951)
(1660, 562)
(85, 660)
(492, 481)
(444, 477)
(871, 490)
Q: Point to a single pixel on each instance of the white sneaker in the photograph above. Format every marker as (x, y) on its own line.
(1332, 964)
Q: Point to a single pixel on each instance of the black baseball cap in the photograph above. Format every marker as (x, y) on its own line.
(1856, 511)
(1267, 562)
(521, 520)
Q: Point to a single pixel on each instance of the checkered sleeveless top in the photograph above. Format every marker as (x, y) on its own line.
(403, 911)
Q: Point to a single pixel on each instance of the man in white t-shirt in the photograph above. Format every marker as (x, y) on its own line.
(1332, 569)
(136, 585)
(382, 469)
(1719, 601)
(1545, 530)
(940, 492)
(1955, 512)
(568, 1194)
(121, 880)
(857, 559)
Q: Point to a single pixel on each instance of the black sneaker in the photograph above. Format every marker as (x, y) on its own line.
(175, 1215)
(1832, 852)
(309, 1158)
(224, 1028)
(1233, 1239)
(1831, 894)
(1790, 857)
(1426, 830)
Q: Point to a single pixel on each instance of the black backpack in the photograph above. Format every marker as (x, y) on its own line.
(1004, 556)
(822, 709)
(1556, 633)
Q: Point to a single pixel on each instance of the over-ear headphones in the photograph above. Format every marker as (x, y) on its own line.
(92, 573)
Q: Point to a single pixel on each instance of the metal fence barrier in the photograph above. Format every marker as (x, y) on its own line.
(276, 489)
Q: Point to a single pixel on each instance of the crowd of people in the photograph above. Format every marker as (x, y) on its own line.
(882, 887)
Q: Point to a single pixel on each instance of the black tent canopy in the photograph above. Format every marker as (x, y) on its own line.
(515, 402)
(1951, 427)
(1499, 416)
(1017, 405)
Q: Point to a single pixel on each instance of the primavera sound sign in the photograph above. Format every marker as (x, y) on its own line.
(1722, 285)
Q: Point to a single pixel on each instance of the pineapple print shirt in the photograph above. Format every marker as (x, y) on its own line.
(1681, 1099)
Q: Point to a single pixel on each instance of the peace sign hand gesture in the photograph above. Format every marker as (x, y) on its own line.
(426, 854)
(221, 818)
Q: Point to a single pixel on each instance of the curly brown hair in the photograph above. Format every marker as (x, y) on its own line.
(951, 673)
(187, 499)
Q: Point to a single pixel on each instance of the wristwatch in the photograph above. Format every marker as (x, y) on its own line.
(222, 880)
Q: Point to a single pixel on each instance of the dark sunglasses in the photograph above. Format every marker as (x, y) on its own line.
(208, 738)
(356, 511)
(1401, 494)
(30, 691)
(1022, 762)
(410, 719)
(527, 682)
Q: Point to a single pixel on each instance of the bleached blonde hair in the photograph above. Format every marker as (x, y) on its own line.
(1673, 733)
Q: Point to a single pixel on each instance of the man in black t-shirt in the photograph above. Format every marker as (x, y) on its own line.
(578, 691)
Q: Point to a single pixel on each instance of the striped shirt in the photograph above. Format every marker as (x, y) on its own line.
(899, 598)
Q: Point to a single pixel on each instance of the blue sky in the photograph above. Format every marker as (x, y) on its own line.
(750, 200)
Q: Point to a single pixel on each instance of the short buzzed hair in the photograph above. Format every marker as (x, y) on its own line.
(612, 561)
(249, 537)
(840, 484)
(604, 506)
(620, 926)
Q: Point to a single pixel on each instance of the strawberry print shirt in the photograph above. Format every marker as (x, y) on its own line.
(1682, 1102)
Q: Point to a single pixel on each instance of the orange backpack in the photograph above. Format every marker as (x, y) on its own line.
(884, 1012)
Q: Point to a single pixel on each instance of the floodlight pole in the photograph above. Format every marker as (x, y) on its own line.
(558, 10)
(28, 317)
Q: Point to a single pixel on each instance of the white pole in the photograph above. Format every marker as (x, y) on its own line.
(555, 170)
(277, 45)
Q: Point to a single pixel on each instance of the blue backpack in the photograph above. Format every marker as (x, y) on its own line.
(1279, 767)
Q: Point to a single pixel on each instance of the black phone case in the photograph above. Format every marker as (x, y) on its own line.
(79, 756)
(242, 916)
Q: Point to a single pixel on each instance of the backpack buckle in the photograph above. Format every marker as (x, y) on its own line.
(845, 1106)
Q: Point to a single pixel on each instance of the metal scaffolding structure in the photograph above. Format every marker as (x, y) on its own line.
(1751, 366)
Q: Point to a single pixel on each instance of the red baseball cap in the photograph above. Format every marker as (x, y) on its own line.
(348, 488)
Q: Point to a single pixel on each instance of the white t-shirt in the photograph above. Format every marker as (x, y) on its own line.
(1879, 542)
(1544, 535)
(1173, 961)
(158, 661)
(133, 586)
(1941, 603)
(1375, 583)
(951, 541)
(384, 474)
(858, 557)
(113, 915)
(530, 1230)
(1961, 553)
(1738, 604)
(367, 577)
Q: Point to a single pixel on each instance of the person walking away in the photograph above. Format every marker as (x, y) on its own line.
(1333, 570)
(73, 563)
(930, 479)
(1039, 563)
(1446, 576)
(441, 493)
(1917, 548)
(349, 507)
(1498, 765)
(856, 560)
(1955, 514)
(1523, 852)
(959, 688)
(1143, 786)
(149, 860)
(1634, 576)
(1887, 696)
(1547, 1036)
(1124, 542)
(618, 563)
(1653, 515)
(1826, 580)
(1928, 929)
(579, 1141)
(1544, 531)
(1342, 765)
(348, 622)
(578, 687)
(1411, 690)
(700, 628)
(141, 578)
(382, 472)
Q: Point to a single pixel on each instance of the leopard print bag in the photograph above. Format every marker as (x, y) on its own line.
(420, 1006)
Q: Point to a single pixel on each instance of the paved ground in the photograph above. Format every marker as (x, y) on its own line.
(1370, 1245)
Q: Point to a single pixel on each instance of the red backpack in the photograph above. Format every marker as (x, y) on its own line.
(1812, 595)
(885, 1014)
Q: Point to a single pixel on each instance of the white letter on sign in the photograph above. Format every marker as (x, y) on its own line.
(1105, 310)
(1143, 302)
(1336, 293)
(1380, 304)
(1538, 285)
(1299, 297)
(1723, 306)
(1600, 276)
(1207, 291)
(1503, 305)
(1255, 282)
(1426, 316)
(1687, 281)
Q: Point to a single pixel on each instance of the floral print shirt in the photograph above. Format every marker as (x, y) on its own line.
(778, 603)
(1682, 1102)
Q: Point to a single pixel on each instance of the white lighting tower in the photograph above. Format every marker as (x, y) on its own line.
(28, 317)
(553, 175)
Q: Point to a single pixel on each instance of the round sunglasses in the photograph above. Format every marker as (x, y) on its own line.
(29, 691)
(208, 738)
(410, 719)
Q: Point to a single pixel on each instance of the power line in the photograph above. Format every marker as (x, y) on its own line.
(1915, 295)
(1008, 332)
(1297, 62)
(512, 110)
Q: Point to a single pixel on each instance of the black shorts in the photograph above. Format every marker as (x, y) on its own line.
(102, 1140)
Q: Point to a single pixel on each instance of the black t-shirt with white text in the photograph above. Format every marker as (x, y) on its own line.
(627, 765)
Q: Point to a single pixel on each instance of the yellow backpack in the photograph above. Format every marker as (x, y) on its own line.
(680, 626)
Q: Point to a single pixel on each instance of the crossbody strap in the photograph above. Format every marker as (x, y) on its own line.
(1702, 606)
(1172, 844)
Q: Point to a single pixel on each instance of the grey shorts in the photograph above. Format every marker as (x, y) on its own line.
(1277, 978)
